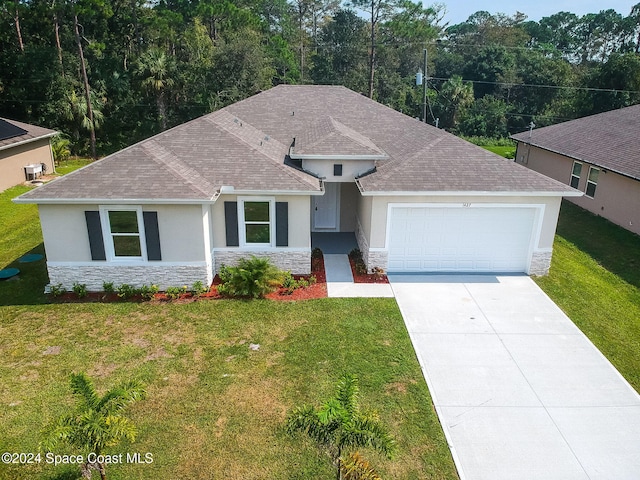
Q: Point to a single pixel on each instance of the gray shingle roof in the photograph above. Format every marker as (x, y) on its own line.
(609, 140)
(245, 145)
(33, 133)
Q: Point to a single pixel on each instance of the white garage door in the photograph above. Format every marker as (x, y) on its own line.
(460, 239)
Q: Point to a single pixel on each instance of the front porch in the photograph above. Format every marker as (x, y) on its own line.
(334, 242)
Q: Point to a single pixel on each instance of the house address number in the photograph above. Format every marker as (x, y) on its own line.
(466, 204)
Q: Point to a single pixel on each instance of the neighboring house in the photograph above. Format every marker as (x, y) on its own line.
(261, 175)
(599, 155)
(23, 145)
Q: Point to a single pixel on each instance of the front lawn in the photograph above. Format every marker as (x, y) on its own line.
(595, 279)
(215, 408)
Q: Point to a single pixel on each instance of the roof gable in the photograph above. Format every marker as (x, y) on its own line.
(13, 133)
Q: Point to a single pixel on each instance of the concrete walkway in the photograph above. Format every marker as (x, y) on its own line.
(521, 393)
(340, 280)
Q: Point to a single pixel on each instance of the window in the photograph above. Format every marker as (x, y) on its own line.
(337, 169)
(592, 181)
(575, 174)
(124, 234)
(256, 218)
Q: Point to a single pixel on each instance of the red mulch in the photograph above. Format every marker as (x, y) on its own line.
(317, 290)
(366, 277)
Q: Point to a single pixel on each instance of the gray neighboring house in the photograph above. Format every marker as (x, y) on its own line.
(599, 155)
(263, 175)
(23, 145)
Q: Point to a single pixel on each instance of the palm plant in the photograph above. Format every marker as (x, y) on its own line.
(155, 70)
(97, 422)
(341, 427)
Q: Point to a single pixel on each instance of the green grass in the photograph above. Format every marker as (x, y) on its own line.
(594, 278)
(72, 164)
(215, 408)
(507, 152)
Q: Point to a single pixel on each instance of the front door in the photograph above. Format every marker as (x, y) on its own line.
(326, 208)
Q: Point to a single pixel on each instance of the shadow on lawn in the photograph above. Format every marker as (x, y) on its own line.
(26, 288)
(613, 247)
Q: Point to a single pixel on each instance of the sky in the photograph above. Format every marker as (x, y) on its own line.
(459, 10)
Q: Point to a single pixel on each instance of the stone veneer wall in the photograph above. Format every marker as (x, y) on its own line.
(297, 262)
(540, 263)
(371, 258)
(163, 276)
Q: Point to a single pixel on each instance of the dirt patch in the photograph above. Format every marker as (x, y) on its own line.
(55, 350)
(101, 371)
(159, 353)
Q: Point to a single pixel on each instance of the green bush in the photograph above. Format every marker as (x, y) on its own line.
(57, 290)
(198, 289)
(80, 289)
(175, 292)
(126, 291)
(146, 292)
(107, 287)
(253, 277)
(290, 284)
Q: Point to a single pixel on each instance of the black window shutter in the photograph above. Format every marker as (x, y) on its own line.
(231, 223)
(152, 235)
(96, 240)
(282, 224)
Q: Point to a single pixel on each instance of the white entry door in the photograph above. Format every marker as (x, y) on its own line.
(326, 208)
(441, 239)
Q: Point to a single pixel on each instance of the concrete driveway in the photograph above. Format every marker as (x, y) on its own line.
(521, 393)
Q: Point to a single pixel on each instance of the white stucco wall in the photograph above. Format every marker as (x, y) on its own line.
(183, 230)
(350, 169)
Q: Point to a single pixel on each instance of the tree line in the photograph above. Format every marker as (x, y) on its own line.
(108, 73)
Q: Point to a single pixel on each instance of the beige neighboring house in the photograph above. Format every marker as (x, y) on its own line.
(23, 145)
(266, 175)
(598, 155)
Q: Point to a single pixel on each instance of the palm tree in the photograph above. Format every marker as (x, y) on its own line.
(340, 427)
(155, 69)
(97, 422)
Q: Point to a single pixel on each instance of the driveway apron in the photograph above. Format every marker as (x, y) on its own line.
(520, 391)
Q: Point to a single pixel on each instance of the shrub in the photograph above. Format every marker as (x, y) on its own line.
(107, 287)
(57, 290)
(146, 292)
(253, 277)
(80, 289)
(356, 256)
(290, 284)
(316, 253)
(198, 289)
(175, 292)
(126, 291)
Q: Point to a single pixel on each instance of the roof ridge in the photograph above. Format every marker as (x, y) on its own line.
(354, 135)
(169, 159)
(275, 151)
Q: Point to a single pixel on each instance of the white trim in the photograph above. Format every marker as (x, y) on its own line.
(303, 156)
(567, 193)
(275, 192)
(595, 184)
(115, 201)
(30, 140)
(261, 249)
(107, 235)
(149, 264)
(573, 165)
(536, 228)
(242, 233)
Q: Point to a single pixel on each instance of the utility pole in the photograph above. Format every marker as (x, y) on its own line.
(424, 89)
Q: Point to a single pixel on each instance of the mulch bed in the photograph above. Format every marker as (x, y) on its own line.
(366, 277)
(317, 290)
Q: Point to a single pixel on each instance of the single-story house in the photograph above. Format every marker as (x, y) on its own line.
(262, 175)
(599, 155)
(23, 145)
